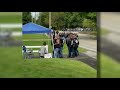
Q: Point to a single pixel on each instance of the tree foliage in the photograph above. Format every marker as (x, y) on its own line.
(26, 17)
(68, 19)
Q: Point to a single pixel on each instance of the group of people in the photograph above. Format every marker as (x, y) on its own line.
(59, 40)
(70, 39)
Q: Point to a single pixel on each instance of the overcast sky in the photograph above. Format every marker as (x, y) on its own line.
(33, 14)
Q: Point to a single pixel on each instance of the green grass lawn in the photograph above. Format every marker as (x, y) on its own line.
(10, 17)
(16, 29)
(10, 13)
(11, 63)
(17, 38)
(109, 67)
(13, 29)
(40, 37)
(39, 43)
(57, 68)
(34, 36)
(36, 43)
(13, 66)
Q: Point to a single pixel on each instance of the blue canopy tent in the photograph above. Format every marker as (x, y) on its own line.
(32, 28)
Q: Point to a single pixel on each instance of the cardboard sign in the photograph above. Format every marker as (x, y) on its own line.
(49, 55)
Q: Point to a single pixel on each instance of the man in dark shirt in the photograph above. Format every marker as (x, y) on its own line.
(72, 44)
(68, 42)
(56, 47)
(76, 41)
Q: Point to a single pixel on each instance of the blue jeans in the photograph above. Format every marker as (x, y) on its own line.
(72, 52)
(56, 52)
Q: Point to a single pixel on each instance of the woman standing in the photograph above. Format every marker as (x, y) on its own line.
(43, 50)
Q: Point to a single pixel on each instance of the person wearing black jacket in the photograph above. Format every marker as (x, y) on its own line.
(56, 47)
(61, 46)
(68, 45)
(72, 45)
(76, 41)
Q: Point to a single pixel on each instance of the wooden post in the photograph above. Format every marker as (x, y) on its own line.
(50, 28)
(50, 20)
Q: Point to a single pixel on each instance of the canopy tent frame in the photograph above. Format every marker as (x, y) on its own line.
(32, 28)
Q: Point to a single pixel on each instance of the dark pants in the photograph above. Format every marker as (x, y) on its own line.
(42, 56)
(56, 52)
(76, 51)
(61, 52)
(69, 52)
(72, 52)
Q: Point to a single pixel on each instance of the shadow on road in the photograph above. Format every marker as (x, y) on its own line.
(110, 49)
(85, 59)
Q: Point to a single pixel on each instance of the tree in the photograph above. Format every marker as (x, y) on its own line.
(76, 20)
(26, 17)
(92, 16)
(57, 20)
(43, 19)
(68, 19)
(87, 23)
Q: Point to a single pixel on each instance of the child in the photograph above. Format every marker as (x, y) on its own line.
(24, 52)
(43, 50)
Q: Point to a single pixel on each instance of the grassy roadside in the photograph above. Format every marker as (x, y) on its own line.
(10, 17)
(13, 66)
(57, 68)
(109, 67)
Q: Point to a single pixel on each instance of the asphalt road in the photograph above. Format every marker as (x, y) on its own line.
(89, 44)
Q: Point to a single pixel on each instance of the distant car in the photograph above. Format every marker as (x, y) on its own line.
(81, 29)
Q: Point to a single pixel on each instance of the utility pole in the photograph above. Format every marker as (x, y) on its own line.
(50, 28)
(31, 17)
(40, 16)
(50, 20)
